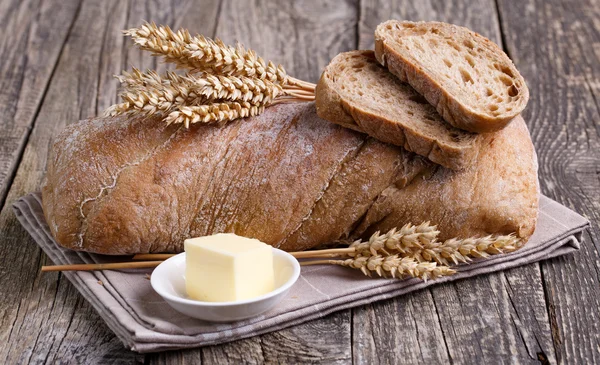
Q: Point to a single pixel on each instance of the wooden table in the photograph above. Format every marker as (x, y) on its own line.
(57, 59)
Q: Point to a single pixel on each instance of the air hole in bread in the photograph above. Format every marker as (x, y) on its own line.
(455, 136)
(466, 76)
(447, 62)
(507, 71)
(353, 79)
(358, 65)
(469, 44)
(489, 92)
(388, 27)
(513, 91)
(470, 60)
(410, 113)
(493, 107)
(506, 80)
(433, 42)
(435, 31)
(408, 25)
(453, 45)
(418, 99)
(360, 93)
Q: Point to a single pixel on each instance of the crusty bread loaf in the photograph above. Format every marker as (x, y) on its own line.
(468, 78)
(133, 185)
(358, 93)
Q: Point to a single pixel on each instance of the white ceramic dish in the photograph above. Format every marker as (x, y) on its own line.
(168, 280)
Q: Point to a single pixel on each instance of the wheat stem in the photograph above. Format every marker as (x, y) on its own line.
(299, 93)
(302, 84)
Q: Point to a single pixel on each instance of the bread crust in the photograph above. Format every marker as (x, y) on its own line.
(133, 185)
(451, 105)
(498, 194)
(402, 129)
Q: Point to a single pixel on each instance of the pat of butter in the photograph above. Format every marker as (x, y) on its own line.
(226, 267)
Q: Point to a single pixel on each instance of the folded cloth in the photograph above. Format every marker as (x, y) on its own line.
(146, 323)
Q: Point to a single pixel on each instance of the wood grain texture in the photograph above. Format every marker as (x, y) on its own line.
(33, 34)
(58, 58)
(303, 36)
(555, 46)
(479, 319)
(43, 317)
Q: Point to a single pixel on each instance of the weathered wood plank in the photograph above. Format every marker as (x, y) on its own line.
(303, 37)
(42, 317)
(33, 33)
(402, 330)
(39, 312)
(555, 45)
(496, 318)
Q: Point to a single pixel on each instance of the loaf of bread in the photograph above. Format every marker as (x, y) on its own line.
(471, 82)
(356, 92)
(129, 185)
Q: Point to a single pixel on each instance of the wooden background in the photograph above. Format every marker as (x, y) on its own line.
(57, 59)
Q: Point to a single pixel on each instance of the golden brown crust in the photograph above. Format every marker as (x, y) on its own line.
(285, 177)
(498, 194)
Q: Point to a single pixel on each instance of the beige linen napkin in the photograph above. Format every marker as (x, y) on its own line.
(145, 323)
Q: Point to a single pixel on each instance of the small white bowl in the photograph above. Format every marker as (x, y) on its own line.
(168, 280)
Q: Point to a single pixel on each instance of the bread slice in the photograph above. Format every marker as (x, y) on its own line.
(468, 78)
(358, 93)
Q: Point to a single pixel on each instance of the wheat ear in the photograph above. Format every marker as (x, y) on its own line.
(213, 113)
(392, 266)
(150, 93)
(400, 241)
(200, 53)
(455, 251)
(420, 242)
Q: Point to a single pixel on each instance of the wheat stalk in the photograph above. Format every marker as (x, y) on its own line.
(190, 95)
(223, 82)
(391, 266)
(420, 242)
(200, 53)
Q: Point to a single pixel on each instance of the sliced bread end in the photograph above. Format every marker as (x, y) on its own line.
(468, 78)
(356, 92)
